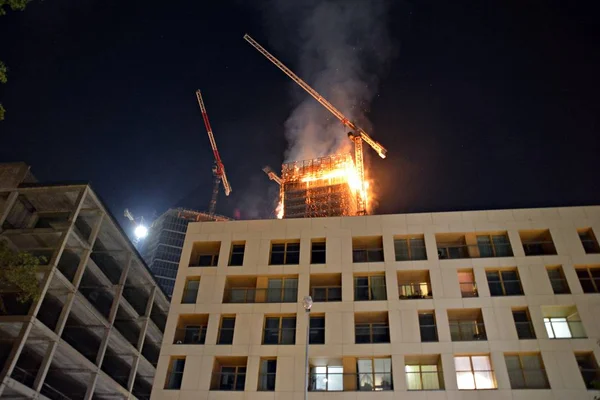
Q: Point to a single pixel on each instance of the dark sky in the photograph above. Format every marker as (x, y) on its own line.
(482, 106)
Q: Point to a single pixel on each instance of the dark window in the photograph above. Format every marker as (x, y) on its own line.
(558, 281)
(232, 378)
(327, 293)
(226, 330)
(367, 250)
(280, 330)
(427, 327)
(190, 293)
(373, 332)
(504, 283)
(175, 374)
(538, 243)
(317, 330)
(526, 371)
(266, 375)
(589, 242)
(285, 253)
(370, 288)
(317, 253)
(410, 249)
(589, 279)
(237, 255)
(589, 369)
(194, 334)
(523, 324)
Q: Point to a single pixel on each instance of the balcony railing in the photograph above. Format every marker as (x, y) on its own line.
(229, 381)
(347, 382)
(262, 295)
(206, 260)
(367, 255)
(190, 335)
(539, 248)
(461, 331)
(468, 289)
(415, 290)
(372, 333)
(447, 251)
(370, 292)
(326, 293)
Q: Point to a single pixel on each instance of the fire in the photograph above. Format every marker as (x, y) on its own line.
(279, 209)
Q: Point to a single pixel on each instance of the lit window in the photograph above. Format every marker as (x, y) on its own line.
(329, 378)
(474, 372)
(424, 373)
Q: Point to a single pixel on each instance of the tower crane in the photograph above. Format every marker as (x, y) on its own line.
(356, 134)
(218, 167)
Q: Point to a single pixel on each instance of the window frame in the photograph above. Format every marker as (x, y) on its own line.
(236, 376)
(374, 373)
(495, 252)
(522, 370)
(421, 327)
(286, 252)
(562, 278)
(280, 329)
(370, 287)
(438, 372)
(266, 375)
(591, 279)
(318, 251)
(472, 372)
(502, 281)
(171, 371)
(373, 325)
(233, 253)
(367, 249)
(409, 248)
(312, 329)
(221, 329)
(528, 321)
(186, 289)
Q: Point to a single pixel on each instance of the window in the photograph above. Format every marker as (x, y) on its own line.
(523, 324)
(190, 292)
(326, 287)
(282, 290)
(367, 249)
(427, 326)
(374, 374)
(175, 373)
(370, 287)
(414, 285)
(371, 328)
(317, 252)
(562, 322)
(466, 325)
(466, 281)
(232, 378)
(537, 243)
(317, 330)
(474, 372)
(326, 378)
(589, 369)
(205, 254)
(236, 259)
(424, 372)
(267, 374)
(494, 246)
(589, 241)
(280, 330)
(526, 371)
(558, 280)
(410, 248)
(589, 278)
(191, 329)
(286, 253)
(451, 246)
(226, 330)
(504, 283)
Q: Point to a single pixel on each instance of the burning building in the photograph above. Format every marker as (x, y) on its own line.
(321, 187)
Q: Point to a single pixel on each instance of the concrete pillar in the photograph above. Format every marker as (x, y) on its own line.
(10, 202)
(141, 338)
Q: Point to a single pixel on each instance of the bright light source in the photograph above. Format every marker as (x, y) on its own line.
(140, 231)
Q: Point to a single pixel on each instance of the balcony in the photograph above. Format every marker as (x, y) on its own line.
(250, 289)
(414, 285)
(326, 287)
(371, 328)
(367, 249)
(537, 243)
(348, 382)
(191, 329)
(471, 245)
(205, 254)
(229, 374)
(466, 325)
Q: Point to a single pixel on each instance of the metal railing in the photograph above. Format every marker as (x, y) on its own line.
(266, 381)
(410, 253)
(461, 331)
(448, 251)
(371, 333)
(506, 287)
(326, 293)
(367, 255)
(468, 289)
(261, 295)
(415, 290)
(190, 335)
(539, 248)
(229, 381)
(370, 381)
(525, 330)
(424, 380)
(370, 292)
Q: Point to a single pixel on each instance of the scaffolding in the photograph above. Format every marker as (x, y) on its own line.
(310, 189)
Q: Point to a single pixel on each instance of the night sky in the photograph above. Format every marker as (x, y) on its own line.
(480, 106)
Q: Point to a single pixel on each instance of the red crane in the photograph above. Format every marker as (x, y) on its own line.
(218, 167)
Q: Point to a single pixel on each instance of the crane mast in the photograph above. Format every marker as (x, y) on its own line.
(218, 168)
(357, 135)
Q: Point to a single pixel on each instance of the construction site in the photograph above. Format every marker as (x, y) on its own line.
(96, 328)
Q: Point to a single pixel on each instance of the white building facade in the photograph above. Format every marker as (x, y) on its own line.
(457, 305)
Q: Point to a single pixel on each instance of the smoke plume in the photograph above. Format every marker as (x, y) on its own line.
(342, 47)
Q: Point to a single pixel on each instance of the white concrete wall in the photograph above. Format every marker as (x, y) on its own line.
(558, 355)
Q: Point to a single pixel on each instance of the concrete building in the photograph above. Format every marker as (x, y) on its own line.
(162, 248)
(96, 329)
(456, 305)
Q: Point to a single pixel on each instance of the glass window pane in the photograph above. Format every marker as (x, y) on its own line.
(484, 380)
(413, 378)
(561, 328)
(465, 380)
(335, 378)
(401, 249)
(481, 363)
(462, 363)
(431, 380)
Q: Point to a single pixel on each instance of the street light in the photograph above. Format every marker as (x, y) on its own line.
(307, 303)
